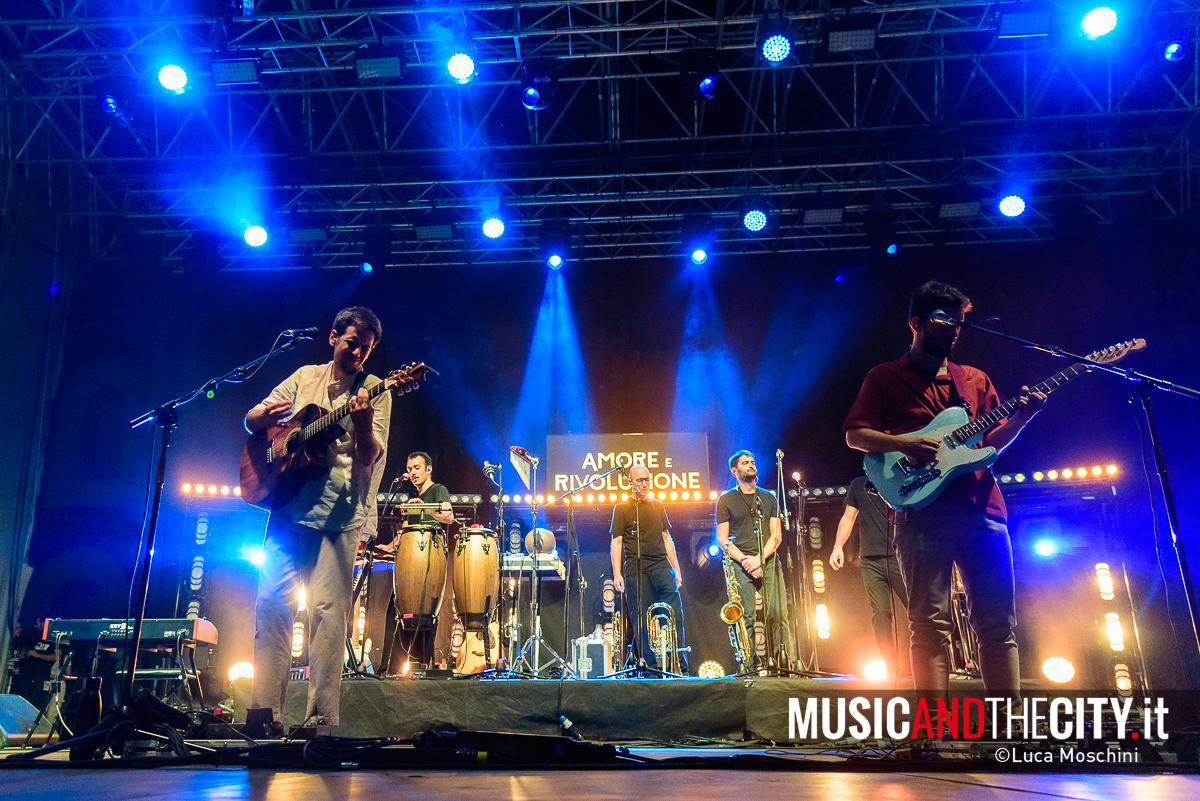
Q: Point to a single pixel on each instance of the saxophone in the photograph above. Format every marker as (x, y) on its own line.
(734, 616)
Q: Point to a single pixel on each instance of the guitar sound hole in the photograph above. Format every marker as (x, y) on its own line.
(291, 442)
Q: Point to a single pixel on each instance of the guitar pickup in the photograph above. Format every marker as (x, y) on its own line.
(920, 481)
(905, 466)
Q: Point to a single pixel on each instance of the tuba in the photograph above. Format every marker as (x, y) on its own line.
(617, 635)
(734, 616)
(664, 640)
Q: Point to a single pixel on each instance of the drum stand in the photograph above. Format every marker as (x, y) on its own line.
(361, 589)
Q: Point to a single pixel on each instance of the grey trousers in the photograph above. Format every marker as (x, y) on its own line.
(323, 563)
(929, 544)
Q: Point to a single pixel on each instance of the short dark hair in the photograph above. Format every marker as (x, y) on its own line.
(733, 460)
(420, 455)
(934, 295)
(361, 318)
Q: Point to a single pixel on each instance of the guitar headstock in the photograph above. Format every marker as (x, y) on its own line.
(407, 378)
(1114, 353)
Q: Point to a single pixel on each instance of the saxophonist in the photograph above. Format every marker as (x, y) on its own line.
(746, 516)
(640, 527)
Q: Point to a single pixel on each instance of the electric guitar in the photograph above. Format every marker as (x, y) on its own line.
(907, 485)
(277, 461)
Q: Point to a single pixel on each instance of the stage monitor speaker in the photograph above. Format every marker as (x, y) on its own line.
(16, 717)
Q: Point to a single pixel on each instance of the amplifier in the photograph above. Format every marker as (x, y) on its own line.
(592, 656)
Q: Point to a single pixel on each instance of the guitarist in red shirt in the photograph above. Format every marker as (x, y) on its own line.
(966, 524)
(313, 535)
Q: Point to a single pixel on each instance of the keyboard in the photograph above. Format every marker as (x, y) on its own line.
(155, 631)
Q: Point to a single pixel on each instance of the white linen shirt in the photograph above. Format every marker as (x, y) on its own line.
(345, 497)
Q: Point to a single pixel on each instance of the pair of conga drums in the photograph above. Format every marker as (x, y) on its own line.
(420, 576)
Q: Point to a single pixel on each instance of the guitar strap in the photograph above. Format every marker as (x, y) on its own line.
(958, 383)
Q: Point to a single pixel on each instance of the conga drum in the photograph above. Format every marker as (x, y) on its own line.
(476, 577)
(420, 575)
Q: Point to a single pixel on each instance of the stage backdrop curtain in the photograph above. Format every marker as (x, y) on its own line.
(37, 272)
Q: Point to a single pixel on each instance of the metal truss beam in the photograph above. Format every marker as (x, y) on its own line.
(939, 105)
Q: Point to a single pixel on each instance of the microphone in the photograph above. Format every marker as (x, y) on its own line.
(489, 469)
(569, 727)
(939, 316)
(778, 455)
(302, 333)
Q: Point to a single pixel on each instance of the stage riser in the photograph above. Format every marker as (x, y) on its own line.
(625, 709)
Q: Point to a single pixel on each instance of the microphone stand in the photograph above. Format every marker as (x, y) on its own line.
(805, 589)
(768, 637)
(1141, 388)
(785, 525)
(490, 471)
(536, 641)
(164, 417)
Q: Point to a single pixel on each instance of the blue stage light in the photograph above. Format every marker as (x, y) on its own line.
(708, 87)
(1012, 206)
(1174, 51)
(493, 227)
(774, 39)
(1098, 22)
(257, 557)
(530, 98)
(461, 67)
(892, 249)
(365, 268)
(554, 260)
(714, 549)
(776, 48)
(255, 236)
(173, 78)
(1045, 548)
(698, 237)
(754, 220)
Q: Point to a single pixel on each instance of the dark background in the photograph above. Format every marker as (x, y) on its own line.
(138, 336)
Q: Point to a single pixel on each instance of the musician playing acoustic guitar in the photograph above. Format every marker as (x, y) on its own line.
(966, 524)
(311, 540)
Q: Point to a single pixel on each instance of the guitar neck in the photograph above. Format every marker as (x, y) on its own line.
(335, 416)
(978, 427)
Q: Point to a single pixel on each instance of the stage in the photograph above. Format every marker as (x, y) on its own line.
(632, 710)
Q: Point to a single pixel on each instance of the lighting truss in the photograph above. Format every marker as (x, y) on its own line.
(940, 101)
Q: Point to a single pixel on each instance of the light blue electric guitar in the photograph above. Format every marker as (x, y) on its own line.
(908, 485)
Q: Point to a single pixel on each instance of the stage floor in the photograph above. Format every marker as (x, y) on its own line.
(818, 783)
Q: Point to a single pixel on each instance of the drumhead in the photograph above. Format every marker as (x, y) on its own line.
(476, 531)
(420, 527)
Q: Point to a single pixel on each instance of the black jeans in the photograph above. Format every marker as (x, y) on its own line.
(658, 586)
(929, 544)
(882, 577)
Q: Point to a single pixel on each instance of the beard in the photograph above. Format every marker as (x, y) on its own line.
(941, 350)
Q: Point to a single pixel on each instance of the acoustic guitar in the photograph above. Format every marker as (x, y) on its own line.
(277, 461)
